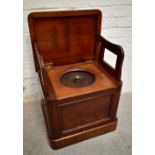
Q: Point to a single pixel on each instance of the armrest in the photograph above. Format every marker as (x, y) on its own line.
(41, 70)
(116, 49)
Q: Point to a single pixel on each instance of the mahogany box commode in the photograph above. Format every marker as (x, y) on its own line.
(81, 90)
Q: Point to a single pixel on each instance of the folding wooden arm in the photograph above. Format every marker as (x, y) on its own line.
(116, 49)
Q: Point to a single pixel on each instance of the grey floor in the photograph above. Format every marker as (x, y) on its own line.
(114, 143)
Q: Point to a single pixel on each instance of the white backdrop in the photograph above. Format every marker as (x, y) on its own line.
(116, 27)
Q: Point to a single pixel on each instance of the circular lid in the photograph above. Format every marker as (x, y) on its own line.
(77, 78)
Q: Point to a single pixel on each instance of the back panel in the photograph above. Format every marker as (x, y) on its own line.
(65, 37)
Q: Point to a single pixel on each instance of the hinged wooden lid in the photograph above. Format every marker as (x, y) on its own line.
(66, 36)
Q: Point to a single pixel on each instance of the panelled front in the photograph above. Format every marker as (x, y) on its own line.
(89, 112)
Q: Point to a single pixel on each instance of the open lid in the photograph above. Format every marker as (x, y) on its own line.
(64, 37)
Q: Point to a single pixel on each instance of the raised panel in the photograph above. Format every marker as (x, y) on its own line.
(85, 113)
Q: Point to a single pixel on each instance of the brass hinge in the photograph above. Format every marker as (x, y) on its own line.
(88, 58)
(48, 66)
(88, 61)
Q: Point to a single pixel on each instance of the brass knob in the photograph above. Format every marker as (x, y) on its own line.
(77, 77)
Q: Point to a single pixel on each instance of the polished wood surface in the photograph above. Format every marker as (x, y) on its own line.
(63, 41)
(69, 34)
(116, 49)
(102, 82)
(78, 136)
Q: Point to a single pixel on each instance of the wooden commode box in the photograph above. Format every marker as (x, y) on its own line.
(81, 90)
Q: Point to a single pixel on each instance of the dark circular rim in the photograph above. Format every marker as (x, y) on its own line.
(78, 70)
